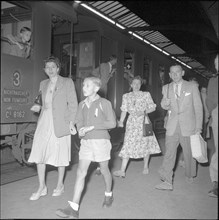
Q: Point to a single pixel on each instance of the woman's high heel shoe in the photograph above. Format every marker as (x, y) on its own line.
(119, 173)
(58, 192)
(37, 195)
(145, 171)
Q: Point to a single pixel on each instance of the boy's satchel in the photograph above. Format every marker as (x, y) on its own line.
(147, 127)
(101, 107)
(38, 100)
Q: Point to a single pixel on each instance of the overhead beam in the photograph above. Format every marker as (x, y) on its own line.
(203, 54)
(199, 29)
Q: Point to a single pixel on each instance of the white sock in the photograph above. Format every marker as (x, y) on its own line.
(75, 206)
(108, 193)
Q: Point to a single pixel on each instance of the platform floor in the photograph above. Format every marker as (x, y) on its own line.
(134, 196)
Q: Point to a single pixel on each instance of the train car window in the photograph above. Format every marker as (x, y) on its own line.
(128, 68)
(63, 45)
(16, 31)
(66, 59)
(161, 74)
(147, 67)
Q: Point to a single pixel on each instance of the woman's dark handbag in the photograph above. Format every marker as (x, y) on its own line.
(147, 128)
(38, 100)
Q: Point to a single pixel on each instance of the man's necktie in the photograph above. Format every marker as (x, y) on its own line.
(177, 91)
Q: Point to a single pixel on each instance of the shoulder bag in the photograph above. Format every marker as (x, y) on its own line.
(38, 99)
(147, 126)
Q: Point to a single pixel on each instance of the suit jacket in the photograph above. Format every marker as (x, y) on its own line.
(212, 94)
(64, 104)
(188, 110)
(103, 71)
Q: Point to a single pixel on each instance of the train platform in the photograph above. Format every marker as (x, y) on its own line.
(135, 196)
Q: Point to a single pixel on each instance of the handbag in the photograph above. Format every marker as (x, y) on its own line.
(147, 127)
(199, 148)
(38, 100)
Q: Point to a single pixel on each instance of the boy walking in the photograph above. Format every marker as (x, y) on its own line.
(94, 117)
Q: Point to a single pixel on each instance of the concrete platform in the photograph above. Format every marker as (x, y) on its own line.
(134, 196)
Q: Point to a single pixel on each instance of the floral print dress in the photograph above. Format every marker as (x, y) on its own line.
(135, 145)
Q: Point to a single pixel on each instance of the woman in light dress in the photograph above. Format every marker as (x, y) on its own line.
(52, 138)
(136, 103)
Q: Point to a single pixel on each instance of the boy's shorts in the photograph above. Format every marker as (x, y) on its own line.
(97, 150)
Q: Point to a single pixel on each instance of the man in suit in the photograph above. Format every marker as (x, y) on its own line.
(105, 71)
(212, 105)
(185, 114)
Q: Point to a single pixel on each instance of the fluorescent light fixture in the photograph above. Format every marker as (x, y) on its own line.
(155, 47)
(178, 60)
(120, 26)
(77, 2)
(189, 66)
(147, 42)
(165, 53)
(96, 12)
(130, 32)
(173, 57)
(184, 64)
(137, 36)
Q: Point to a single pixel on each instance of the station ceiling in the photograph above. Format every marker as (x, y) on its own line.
(187, 30)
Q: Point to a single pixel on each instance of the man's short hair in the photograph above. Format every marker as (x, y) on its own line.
(177, 64)
(23, 29)
(95, 80)
(113, 57)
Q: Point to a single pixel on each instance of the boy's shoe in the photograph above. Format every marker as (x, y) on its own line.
(68, 212)
(108, 200)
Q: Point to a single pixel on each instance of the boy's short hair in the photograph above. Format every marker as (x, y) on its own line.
(23, 29)
(95, 80)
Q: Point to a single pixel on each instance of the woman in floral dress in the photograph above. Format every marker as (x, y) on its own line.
(135, 145)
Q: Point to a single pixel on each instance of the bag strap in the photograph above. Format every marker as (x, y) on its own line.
(100, 105)
(146, 115)
(168, 95)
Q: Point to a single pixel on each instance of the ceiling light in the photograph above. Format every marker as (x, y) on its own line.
(98, 13)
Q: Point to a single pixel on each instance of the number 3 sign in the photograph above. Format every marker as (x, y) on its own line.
(16, 78)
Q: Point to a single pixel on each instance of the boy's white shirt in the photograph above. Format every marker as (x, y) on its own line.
(87, 103)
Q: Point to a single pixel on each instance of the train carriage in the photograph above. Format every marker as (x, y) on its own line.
(20, 76)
